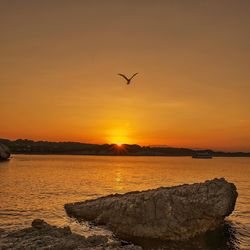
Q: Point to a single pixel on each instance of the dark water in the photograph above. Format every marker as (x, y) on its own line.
(38, 187)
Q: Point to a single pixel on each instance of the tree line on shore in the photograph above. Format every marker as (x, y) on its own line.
(24, 146)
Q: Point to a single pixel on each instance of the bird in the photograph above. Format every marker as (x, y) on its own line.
(128, 79)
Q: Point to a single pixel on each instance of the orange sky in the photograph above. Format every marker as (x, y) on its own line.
(59, 62)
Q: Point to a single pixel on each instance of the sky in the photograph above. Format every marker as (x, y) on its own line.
(59, 62)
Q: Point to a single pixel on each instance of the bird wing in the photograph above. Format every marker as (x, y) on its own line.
(123, 76)
(133, 75)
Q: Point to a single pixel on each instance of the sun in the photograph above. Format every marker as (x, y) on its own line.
(119, 148)
(119, 137)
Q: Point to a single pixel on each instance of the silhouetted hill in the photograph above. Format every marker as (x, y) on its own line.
(44, 147)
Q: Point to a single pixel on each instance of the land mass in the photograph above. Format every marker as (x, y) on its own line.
(24, 146)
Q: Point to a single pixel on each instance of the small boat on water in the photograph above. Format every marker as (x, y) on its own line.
(202, 155)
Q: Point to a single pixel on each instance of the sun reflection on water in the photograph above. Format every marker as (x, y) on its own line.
(118, 181)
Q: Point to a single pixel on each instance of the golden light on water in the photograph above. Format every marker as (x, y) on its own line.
(118, 181)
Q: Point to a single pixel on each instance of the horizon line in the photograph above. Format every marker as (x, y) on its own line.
(141, 145)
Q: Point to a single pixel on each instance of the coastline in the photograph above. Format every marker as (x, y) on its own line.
(30, 147)
(140, 224)
(127, 155)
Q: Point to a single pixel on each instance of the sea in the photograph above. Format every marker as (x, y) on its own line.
(38, 186)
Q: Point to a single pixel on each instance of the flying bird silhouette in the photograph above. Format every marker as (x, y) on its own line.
(128, 79)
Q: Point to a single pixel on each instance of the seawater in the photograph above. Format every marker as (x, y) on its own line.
(37, 186)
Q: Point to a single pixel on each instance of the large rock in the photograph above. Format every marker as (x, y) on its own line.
(166, 213)
(4, 153)
(45, 236)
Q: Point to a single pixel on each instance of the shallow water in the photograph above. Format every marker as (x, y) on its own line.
(37, 186)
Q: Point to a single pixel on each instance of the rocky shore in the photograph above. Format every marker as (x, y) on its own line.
(4, 153)
(181, 217)
(41, 236)
(167, 213)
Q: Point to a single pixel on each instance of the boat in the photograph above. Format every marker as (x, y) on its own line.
(202, 155)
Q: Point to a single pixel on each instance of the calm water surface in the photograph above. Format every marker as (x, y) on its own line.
(34, 186)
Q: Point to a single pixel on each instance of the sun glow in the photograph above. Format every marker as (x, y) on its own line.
(118, 137)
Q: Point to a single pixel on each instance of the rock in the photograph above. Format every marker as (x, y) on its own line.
(96, 240)
(39, 224)
(45, 236)
(4, 152)
(166, 213)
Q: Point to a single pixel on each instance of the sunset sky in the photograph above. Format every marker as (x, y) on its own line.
(59, 62)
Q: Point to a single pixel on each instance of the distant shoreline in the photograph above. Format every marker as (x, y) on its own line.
(30, 147)
(127, 155)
